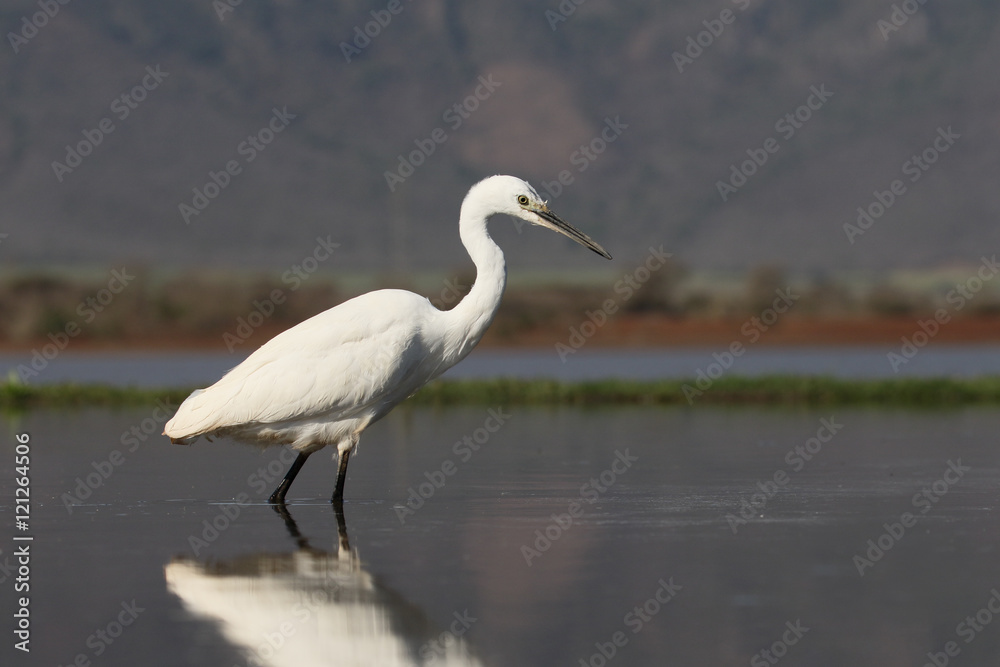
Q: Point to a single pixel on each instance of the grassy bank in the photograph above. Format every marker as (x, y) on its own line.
(774, 390)
(14, 395)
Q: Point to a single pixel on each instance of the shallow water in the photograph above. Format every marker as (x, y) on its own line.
(448, 581)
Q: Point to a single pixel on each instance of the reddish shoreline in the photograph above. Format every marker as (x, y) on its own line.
(621, 331)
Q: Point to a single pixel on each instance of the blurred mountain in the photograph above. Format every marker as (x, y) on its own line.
(644, 107)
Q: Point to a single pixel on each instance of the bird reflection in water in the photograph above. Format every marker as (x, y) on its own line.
(312, 607)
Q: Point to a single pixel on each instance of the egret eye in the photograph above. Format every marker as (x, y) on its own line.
(522, 200)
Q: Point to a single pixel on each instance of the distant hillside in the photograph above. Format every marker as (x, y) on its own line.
(831, 99)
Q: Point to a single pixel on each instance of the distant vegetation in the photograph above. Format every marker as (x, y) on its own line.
(787, 391)
(15, 395)
(240, 311)
(774, 390)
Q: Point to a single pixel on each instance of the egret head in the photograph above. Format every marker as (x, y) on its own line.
(515, 197)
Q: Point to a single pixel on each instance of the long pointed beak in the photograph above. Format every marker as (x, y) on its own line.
(557, 224)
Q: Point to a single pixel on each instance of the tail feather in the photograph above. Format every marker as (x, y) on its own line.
(190, 421)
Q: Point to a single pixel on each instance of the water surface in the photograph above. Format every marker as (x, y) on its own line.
(689, 536)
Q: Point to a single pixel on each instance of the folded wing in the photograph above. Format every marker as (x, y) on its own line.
(332, 366)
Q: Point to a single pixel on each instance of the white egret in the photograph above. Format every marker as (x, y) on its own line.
(325, 380)
(339, 612)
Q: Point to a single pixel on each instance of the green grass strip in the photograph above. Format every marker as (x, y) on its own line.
(773, 390)
(777, 390)
(14, 395)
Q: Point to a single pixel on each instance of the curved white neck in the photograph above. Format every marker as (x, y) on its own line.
(473, 314)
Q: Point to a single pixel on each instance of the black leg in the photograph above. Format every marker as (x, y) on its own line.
(278, 496)
(343, 543)
(338, 491)
(293, 529)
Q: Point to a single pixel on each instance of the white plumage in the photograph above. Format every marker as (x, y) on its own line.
(323, 381)
(313, 608)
